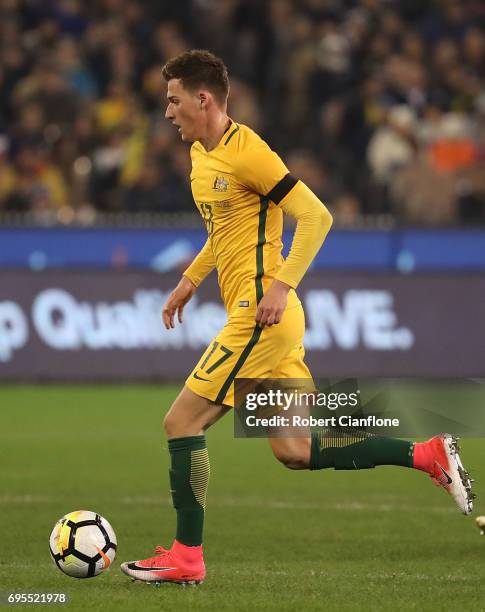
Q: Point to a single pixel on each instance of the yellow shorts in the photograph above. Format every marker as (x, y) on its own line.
(244, 350)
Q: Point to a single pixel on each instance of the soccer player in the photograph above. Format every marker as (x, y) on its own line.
(242, 189)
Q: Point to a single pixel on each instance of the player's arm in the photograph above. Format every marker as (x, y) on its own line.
(264, 172)
(192, 277)
(313, 222)
(202, 264)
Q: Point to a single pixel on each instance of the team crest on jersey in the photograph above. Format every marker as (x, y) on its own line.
(220, 184)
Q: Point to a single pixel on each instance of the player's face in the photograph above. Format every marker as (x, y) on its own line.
(184, 111)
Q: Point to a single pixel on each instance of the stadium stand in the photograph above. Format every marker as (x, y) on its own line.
(378, 105)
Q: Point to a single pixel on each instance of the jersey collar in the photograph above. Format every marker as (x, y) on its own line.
(227, 131)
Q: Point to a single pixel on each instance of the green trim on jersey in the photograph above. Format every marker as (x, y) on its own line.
(263, 210)
(231, 135)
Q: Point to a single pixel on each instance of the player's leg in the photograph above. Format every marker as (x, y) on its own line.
(293, 453)
(191, 415)
(350, 449)
(185, 423)
(344, 449)
(204, 399)
(438, 457)
(341, 449)
(356, 450)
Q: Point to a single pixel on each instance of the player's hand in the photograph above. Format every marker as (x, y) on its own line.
(272, 305)
(176, 302)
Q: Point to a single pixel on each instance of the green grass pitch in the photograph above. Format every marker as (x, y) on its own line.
(383, 539)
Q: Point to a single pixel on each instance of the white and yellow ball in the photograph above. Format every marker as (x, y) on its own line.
(83, 544)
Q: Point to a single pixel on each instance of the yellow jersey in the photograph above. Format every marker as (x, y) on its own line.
(237, 187)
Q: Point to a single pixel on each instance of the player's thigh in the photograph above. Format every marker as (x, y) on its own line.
(292, 446)
(191, 414)
(292, 365)
(244, 350)
(274, 344)
(212, 376)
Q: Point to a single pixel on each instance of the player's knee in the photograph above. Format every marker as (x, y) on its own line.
(291, 458)
(178, 424)
(171, 425)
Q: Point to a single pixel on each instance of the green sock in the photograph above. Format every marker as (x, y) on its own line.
(189, 478)
(356, 450)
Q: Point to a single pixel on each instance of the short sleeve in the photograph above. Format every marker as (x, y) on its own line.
(260, 169)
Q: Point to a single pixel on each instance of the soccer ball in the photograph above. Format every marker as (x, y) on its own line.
(82, 544)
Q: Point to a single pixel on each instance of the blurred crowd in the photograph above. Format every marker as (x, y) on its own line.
(377, 105)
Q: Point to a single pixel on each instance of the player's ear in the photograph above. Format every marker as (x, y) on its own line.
(204, 97)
